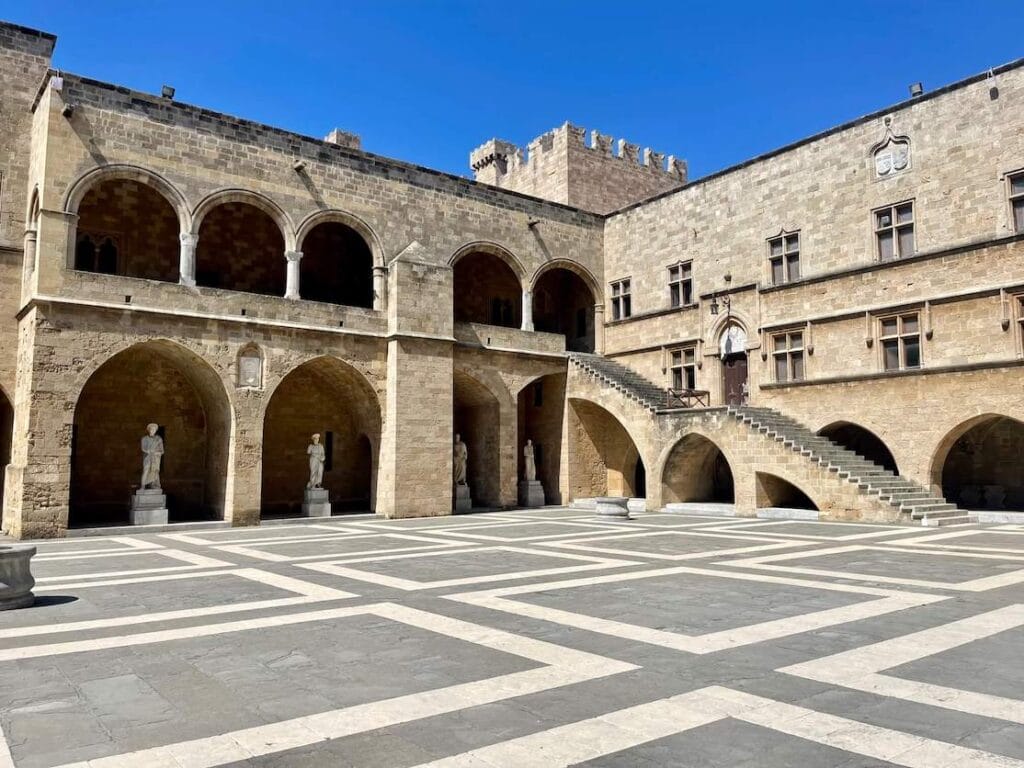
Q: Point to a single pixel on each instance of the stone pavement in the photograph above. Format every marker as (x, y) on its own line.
(524, 638)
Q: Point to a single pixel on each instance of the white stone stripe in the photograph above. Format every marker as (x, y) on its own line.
(6, 761)
(64, 586)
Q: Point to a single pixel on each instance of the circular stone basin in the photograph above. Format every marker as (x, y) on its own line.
(612, 506)
(16, 580)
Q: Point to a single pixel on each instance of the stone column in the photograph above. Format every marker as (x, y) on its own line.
(527, 311)
(291, 290)
(380, 276)
(187, 259)
(599, 329)
(29, 264)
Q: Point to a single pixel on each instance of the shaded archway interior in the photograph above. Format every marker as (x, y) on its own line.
(6, 434)
(330, 398)
(562, 303)
(603, 457)
(541, 409)
(165, 384)
(984, 466)
(861, 441)
(240, 248)
(476, 418)
(127, 228)
(696, 470)
(773, 491)
(336, 266)
(487, 291)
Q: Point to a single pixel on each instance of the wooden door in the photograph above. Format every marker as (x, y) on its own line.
(734, 378)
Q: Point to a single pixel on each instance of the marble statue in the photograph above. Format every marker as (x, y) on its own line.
(317, 456)
(460, 458)
(529, 462)
(152, 453)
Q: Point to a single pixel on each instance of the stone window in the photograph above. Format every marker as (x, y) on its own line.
(1020, 319)
(680, 284)
(96, 253)
(900, 338)
(788, 356)
(1017, 201)
(784, 258)
(250, 368)
(622, 303)
(683, 368)
(894, 231)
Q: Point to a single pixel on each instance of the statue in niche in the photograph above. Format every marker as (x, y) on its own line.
(460, 459)
(529, 462)
(152, 454)
(317, 457)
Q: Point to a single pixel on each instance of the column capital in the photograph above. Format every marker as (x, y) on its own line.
(293, 256)
(380, 269)
(599, 309)
(188, 240)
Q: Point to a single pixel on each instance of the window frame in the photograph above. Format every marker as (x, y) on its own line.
(622, 298)
(900, 337)
(785, 257)
(789, 352)
(1018, 304)
(682, 285)
(686, 365)
(894, 228)
(1013, 198)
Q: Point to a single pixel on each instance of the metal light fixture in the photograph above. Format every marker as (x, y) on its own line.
(167, 92)
(726, 299)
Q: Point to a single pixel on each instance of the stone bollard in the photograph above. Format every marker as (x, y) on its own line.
(612, 506)
(16, 580)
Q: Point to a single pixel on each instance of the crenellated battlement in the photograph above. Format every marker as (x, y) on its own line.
(570, 165)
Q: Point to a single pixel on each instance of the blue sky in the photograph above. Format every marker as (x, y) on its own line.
(713, 82)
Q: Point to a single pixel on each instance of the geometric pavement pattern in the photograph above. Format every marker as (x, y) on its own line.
(525, 638)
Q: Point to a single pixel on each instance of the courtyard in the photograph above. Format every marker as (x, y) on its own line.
(521, 638)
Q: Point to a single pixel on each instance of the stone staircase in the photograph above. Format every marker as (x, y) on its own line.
(913, 501)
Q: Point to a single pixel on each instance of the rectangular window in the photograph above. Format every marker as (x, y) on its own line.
(900, 337)
(1017, 201)
(894, 231)
(680, 284)
(684, 368)
(622, 305)
(784, 256)
(1020, 320)
(788, 356)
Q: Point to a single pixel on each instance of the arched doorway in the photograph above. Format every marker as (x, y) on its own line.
(331, 398)
(603, 457)
(980, 464)
(6, 434)
(476, 419)
(861, 441)
(563, 303)
(733, 351)
(336, 266)
(487, 290)
(696, 470)
(541, 410)
(773, 491)
(157, 382)
(240, 248)
(126, 227)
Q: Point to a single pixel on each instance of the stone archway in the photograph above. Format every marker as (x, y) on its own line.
(541, 417)
(774, 491)
(158, 382)
(861, 441)
(732, 345)
(241, 245)
(476, 418)
(563, 302)
(979, 465)
(329, 397)
(696, 470)
(6, 435)
(603, 455)
(336, 266)
(487, 288)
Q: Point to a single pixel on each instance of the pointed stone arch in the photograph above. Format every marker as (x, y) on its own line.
(602, 452)
(694, 469)
(979, 464)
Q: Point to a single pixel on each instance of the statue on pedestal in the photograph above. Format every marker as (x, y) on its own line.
(152, 453)
(317, 457)
(529, 462)
(460, 459)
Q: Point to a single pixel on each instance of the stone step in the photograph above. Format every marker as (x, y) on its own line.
(940, 522)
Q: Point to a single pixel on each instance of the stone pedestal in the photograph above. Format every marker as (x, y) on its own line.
(612, 506)
(316, 503)
(463, 502)
(531, 493)
(16, 580)
(149, 507)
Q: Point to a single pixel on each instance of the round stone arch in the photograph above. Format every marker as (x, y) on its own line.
(575, 267)
(601, 436)
(350, 220)
(172, 386)
(977, 464)
(776, 488)
(861, 439)
(122, 171)
(567, 299)
(494, 249)
(483, 414)
(697, 449)
(255, 199)
(327, 395)
(488, 284)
